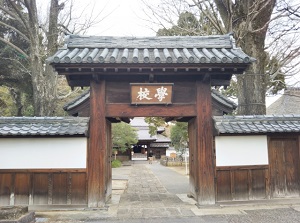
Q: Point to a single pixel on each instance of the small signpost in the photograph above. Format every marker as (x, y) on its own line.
(156, 93)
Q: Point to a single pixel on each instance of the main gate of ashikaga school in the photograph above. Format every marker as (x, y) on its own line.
(168, 77)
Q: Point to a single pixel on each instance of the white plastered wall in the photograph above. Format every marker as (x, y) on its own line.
(241, 150)
(43, 153)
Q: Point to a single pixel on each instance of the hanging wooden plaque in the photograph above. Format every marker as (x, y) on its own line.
(156, 93)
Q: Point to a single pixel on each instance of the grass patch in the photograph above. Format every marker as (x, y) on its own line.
(116, 163)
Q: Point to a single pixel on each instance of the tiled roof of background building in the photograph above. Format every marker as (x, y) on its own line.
(77, 101)
(43, 126)
(253, 124)
(288, 103)
(142, 129)
(216, 95)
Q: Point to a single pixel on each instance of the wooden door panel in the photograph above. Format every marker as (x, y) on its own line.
(277, 168)
(240, 186)
(292, 170)
(79, 195)
(40, 187)
(224, 185)
(59, 188)
(280, 178)
(258, 184)
(284, 167)
(22, 188)
(5, 188)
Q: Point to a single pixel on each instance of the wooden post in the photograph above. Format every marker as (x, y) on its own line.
(97, 157)
(193, 166)
(108, 161)
(204, 141)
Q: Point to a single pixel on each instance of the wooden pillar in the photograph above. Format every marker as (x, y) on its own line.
(108, 161)
(97, 154)
(192, 158)
(204, 140)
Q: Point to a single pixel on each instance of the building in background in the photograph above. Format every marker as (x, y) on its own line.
(156, 144)
(288, 103)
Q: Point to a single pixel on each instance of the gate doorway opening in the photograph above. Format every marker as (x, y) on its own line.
(194, 137)
(157, 177)
(152, 141)
(149, 137)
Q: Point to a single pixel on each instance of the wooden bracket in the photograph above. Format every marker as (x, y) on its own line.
(95, 78)
(206, 78)
(151, 78)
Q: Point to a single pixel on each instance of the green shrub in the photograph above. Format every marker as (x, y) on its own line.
(116, 163)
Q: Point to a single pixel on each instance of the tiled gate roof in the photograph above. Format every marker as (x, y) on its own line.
(87, 58)
(172, 49)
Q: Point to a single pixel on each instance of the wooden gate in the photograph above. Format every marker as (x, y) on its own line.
(284, 167)
(168, 77)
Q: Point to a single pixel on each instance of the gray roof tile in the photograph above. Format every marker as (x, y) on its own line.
(257, 124)
(42, 126)
(163, 49)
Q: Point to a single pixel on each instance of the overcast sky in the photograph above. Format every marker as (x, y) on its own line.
(122, 18)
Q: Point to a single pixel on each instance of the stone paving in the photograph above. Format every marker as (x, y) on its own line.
(146, 197)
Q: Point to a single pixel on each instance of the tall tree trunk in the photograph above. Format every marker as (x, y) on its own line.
(249, 19)
(251, 86)
(252, 32)
(44, 80)
(44, 90)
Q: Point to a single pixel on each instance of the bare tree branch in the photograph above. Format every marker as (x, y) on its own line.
(14, 47)
(10, 13)
(23, 69)
(21, 17)
(14, 29)
(210, 12)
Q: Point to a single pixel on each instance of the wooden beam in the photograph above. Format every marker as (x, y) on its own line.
(97, 146)
(148, 66)
(184, 119)
(216, 82)
(157, 72)
(204, 141)
(127, 110)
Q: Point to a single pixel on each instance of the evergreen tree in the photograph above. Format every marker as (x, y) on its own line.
(123, 136)
(179, 136)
